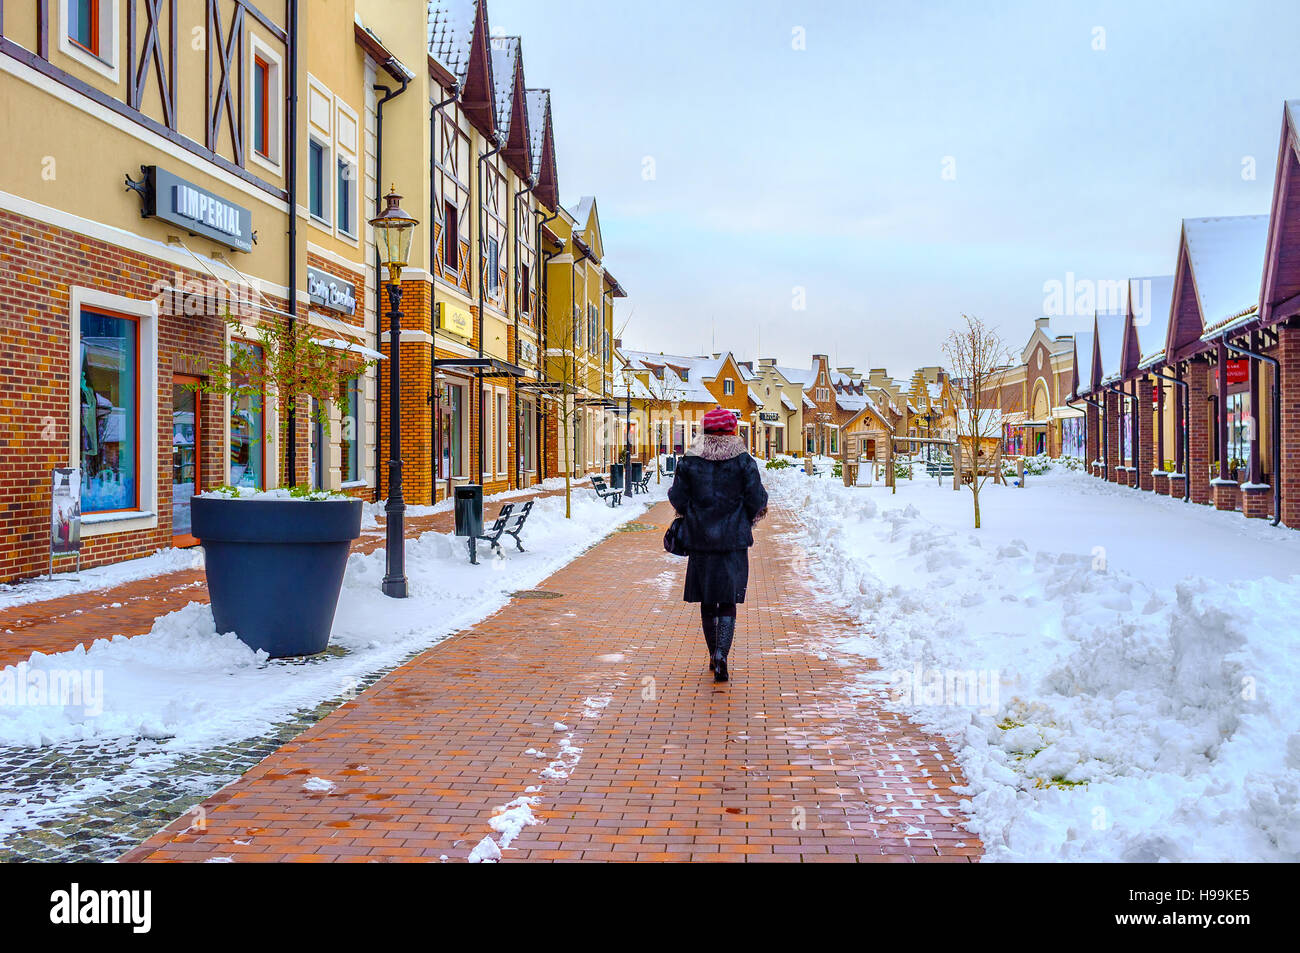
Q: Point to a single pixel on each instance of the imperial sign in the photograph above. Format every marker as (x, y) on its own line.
(195, 209)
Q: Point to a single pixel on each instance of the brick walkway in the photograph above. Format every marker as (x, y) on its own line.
(64, 622)
(650, 760)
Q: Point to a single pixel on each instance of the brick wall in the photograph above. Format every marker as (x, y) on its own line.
(1288, 355)
(1144, 433)
(1198, 427)
(1111, 404)
(36, 422)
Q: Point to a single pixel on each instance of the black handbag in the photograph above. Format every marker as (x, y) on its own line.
(673, 538)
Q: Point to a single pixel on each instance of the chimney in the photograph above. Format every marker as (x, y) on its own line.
(1042, 323)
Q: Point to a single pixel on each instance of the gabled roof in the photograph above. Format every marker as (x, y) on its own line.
(1217, 279)
(511, 102)
(587, 222)
(798, 375)
(542, 147)
(1146, 320)
(1110, 341)
(458, 39)
(1083, 353)
(1281, 283)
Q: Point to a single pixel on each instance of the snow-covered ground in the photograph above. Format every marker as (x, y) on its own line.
(185, 682)
(67, 581)
(1114, 670)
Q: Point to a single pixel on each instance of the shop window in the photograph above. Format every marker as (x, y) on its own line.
(317, 182)
(346, 189)
(110, 412)
(451, 428)
(1238, 430)
(503, 451)
(317, 448)
(450, 237)
(247, 428)
(351, 437)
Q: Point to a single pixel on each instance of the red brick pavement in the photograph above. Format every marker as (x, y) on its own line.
(64, 622)
(780, 764)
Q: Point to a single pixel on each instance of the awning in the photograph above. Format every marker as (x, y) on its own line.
(1059, 413)
(338, 344)
(771, 423)
(340, 328)
(483, 366)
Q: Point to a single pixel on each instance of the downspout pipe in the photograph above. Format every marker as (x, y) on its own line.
(543, 311)
(482, 287)
(379, 303)
(1186, 441)
(453, 94)
(1277, 422)
(292, 185)
(514, 248)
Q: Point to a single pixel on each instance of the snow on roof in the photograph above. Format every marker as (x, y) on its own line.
(1110, 334)
(451, 31)
(1227, 258)
(538, 101)
(505, 54)
(808, 403)
(786, 402)
(1151, 299)
(988, 423)
(798, 375)
(1083, 360)
(754, 397)
(582, 211)
(851, 401)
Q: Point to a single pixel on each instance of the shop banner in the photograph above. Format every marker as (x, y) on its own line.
(65, 512)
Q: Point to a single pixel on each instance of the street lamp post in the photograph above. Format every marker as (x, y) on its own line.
(394, 230)
(628, 377)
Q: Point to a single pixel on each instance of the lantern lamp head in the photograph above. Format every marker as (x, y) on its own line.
(394, 232)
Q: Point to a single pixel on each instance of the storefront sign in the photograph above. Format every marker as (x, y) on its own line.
(195, 209)
(65, 512)
(330, 292)
(454, 319)
(768, 417)
(1238, 371)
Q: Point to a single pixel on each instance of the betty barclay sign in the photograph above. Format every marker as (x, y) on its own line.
(198, 211)
(330, 292)
(767, 417)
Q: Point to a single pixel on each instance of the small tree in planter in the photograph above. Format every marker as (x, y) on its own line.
(274, 559)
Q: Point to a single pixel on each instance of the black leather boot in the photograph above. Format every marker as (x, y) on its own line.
(726, 631)
(709, 624)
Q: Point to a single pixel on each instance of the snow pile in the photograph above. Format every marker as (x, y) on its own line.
(186, 682)
(1115, 691)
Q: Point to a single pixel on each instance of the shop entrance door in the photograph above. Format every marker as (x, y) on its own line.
(187, 455)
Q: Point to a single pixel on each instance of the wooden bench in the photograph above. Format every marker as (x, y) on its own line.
(611, 496)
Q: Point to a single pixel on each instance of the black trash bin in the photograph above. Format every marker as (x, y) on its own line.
(616, 475)
(670, 464)
(469, 510)
(638, 470)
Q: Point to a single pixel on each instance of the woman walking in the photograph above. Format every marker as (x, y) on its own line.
(718, 492)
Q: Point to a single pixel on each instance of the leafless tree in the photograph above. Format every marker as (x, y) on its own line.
(975, 353)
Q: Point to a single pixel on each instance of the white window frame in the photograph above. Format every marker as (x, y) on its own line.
(108, 63)
(322, 134)
(728, 387)
(146, 315)
(501, 430)
(343, 152)
(327, 185)
(260, 50)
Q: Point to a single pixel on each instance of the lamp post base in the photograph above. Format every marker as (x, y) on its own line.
(395, 588)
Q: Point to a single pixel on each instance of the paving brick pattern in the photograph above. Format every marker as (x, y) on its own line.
(785, 763)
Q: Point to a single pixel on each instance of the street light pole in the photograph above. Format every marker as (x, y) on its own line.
(394, 582)
(627, 432)
(394, 230)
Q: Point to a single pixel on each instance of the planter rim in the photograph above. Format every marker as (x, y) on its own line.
(226, 520)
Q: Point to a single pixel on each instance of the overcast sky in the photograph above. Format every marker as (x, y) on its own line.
(910, 162)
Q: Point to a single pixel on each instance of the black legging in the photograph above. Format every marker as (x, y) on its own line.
(711, 610)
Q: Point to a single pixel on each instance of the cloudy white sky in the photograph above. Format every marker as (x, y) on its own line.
(1075, 136)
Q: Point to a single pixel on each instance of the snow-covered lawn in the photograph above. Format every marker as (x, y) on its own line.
(1116, 671)
(185, 682)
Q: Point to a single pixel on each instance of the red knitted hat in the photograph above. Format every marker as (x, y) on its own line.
(718, 420)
